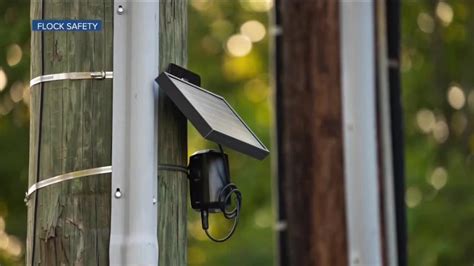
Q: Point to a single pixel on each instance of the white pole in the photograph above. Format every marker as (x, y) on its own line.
(133, 238)
(360, 132)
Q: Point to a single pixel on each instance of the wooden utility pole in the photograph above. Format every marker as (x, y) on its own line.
(339, 181)
(70, 130)
(172, 208)
(311, 141)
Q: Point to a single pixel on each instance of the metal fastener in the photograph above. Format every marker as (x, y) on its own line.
(120, 10)
(118, 193)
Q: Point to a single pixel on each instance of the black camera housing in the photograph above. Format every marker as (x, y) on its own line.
(208, 175)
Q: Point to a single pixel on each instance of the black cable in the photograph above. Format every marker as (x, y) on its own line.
(38, 151)
(226, 166)
(227, 173)
(234, 190)
(172, 167)
(235, 217)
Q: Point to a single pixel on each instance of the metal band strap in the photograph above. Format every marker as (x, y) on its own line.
(65, 177)
(89, 172)
(72, 175)
(72, 76)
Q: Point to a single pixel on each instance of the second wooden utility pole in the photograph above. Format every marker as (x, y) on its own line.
(310, 139)
(334, 106)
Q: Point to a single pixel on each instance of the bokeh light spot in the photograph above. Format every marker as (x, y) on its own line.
(239, 45)
(16, 91)
(441, 131)
(413, 197)
(439, 178)
(4, 240)
(425, 22)
(425, 120)
(257, 5)
(444, 13)
(456, 97)
(3, 79)
(14, 246)
(254, 30)
(14, 54)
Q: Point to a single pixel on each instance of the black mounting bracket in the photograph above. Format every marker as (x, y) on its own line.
(185, 74)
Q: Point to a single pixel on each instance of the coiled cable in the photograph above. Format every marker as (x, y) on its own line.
(225, 197)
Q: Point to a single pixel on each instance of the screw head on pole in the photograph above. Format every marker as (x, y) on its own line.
(118, 193)
(120, 10)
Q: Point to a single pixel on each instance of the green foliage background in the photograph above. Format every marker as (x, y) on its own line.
(14, 123)
(437, 54)
(244, 82)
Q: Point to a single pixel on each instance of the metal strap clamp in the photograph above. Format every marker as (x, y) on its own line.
(72, 76)
(72, 175)
(89, 172)
(65, 177)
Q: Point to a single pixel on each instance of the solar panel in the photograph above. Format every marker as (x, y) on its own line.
(211, 115)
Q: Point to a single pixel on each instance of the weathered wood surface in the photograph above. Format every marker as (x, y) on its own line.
(312, 133)
(71, 224)
(172, 143)
(72, 219)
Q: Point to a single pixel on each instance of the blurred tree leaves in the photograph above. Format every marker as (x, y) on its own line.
(437, 81)
(14, 77)
(244, 82)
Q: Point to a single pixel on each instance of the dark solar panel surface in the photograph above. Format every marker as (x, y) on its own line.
(216, 112)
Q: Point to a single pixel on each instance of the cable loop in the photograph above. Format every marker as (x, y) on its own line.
(173, 167)
(229, 215)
